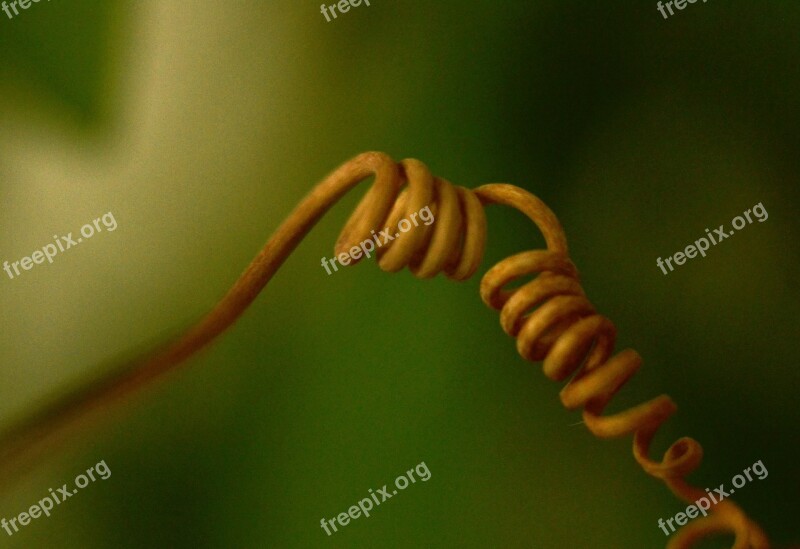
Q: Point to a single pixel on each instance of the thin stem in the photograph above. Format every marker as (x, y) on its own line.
(23, 444)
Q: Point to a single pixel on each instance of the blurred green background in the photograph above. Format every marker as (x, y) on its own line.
(200, 125)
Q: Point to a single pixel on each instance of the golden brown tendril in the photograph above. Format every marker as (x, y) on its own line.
(550, 316)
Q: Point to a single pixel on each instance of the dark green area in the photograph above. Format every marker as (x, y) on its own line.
(65, 50)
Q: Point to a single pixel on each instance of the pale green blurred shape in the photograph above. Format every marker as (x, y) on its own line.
(200, 126)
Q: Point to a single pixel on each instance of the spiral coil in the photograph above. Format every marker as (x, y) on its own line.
(550, 315)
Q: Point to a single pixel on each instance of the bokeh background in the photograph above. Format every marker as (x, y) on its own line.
(201, 124)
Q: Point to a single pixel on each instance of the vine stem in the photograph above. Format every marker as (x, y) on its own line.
(24, 444)
(550, 317)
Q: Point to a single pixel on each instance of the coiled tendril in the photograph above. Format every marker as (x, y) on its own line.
(550, 317)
